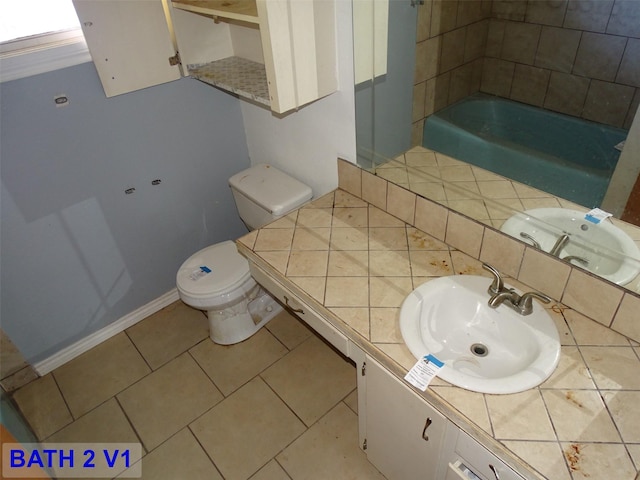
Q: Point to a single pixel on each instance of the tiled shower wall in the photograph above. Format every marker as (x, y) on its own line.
(578, 57)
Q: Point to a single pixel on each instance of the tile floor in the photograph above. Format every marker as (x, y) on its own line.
(280, 405)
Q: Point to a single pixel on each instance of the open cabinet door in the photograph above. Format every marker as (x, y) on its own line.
(130, 43)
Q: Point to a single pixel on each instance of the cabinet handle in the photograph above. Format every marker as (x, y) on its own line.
(294, 310)
(424, 430)
(495, 471)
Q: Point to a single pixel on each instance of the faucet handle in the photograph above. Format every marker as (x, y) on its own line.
(525, 304)
(498, 284)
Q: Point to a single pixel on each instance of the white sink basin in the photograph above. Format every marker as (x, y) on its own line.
(484, 349)
(610, 252)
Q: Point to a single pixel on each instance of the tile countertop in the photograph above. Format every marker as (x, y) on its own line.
(355, 264)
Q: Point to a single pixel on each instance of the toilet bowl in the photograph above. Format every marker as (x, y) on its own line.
(217, 280)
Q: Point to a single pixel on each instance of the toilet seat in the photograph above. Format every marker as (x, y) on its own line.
(214, 275)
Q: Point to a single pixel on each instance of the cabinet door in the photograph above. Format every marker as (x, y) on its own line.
(299, 46)
(404, 433)
(129, 42)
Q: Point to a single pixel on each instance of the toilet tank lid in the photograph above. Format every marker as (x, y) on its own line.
(270, 188)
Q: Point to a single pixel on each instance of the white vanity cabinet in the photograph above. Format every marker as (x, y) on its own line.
(404, 434)
(279, 53)
(406, 438)
(470, 460)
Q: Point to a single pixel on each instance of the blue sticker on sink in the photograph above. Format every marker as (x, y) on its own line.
(432, 359)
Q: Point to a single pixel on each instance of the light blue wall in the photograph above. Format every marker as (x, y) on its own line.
(77, 253)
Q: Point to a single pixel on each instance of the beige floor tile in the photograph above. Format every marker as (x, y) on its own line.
(315, 217)
(349, 239)
(314, 286)
(11, 360)
(308, 263)
(231, 366)
(349, 217)
(393, 263)
(387, 238)
(379, 218)
(546, 457)
(291, 331)
(187, 326)
(389, 291)
(571, 372)
(521, 416)
(425, 263)
(246, 430)
(352, 401)
(625, 409)
(311, 379)
(385, 325)
(594, 460)
(634, 451)
(19, 379)
(345, 199)
(168, 399)
(271, 471)
(104, 424)
(355, 317)
(329, 449)
(347, 292)
(615, 368)
(418, 240)
(349, 263)
(100, 373)
(42, 405)
(580, 416)
(311, 239)
(180, 457)
(274, 239)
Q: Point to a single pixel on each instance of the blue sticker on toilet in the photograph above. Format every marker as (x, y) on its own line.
(200, 272)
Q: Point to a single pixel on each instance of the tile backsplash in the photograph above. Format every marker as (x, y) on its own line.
(608, 304)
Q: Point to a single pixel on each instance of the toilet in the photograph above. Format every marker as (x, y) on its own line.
(216, 279)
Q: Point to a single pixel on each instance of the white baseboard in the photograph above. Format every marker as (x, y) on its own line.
(72, 351)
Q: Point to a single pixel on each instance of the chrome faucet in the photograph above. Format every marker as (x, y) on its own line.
(559, 245)
(499, 294)
(533, 241)
(575, 258)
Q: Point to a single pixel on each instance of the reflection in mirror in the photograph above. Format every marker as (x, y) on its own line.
(575, 61)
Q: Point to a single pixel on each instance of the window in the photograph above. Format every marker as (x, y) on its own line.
(39, 36)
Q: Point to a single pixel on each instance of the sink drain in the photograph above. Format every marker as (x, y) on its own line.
(479, 350)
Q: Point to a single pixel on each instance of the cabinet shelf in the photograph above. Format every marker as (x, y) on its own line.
(243, 10)
(237, 75)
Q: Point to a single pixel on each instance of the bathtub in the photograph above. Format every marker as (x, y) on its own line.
(565, 156)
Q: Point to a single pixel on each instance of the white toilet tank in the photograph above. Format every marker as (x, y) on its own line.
(263, 193)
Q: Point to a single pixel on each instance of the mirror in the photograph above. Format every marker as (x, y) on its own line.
(573, 58)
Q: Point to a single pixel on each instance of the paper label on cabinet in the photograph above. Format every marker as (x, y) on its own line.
(423, 372)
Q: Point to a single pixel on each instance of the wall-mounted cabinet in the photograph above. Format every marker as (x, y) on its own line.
(279, 53)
